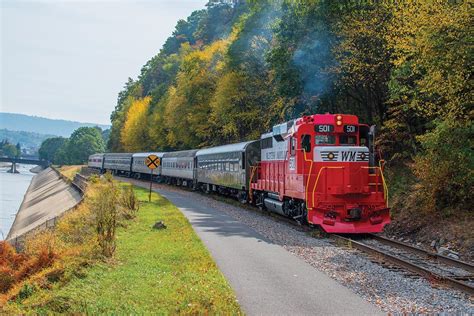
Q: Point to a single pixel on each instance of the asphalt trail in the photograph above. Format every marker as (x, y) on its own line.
(267, 279)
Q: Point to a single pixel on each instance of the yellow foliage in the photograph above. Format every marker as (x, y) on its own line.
(187, 109)
(432, 39)
(134, 132)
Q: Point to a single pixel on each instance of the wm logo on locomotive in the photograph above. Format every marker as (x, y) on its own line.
(332, 154)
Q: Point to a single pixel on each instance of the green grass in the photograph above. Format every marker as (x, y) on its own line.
(165, 271)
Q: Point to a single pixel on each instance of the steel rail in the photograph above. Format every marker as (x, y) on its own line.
(406, 264)
(440, 258)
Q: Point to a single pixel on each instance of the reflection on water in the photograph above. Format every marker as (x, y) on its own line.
(12, 190)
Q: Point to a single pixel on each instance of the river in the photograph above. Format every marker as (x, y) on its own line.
(12, 189)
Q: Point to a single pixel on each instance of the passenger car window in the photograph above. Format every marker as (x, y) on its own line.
(325, 139)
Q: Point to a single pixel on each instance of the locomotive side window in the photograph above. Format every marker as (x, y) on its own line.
(292, 146)
(325, 139)
(306, 143)
(364, 136)
(267, 143)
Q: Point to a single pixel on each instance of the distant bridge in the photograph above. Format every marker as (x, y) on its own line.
(26, 161)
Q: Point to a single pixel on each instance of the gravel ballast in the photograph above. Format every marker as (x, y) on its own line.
(393, 291)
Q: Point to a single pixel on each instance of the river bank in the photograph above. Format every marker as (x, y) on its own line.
(47, 198)
(12, 190)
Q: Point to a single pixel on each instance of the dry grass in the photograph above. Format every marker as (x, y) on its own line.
(152, 272)
(70, 171)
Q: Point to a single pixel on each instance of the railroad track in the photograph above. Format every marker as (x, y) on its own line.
(436, 268)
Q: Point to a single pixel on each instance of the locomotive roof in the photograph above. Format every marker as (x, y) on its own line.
(98, 154)
(224, 148)
(139, 155)
(182, 153)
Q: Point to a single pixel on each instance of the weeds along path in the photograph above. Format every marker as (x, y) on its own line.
(167, 271)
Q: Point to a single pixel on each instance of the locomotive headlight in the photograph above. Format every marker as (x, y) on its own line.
(338, 123)
(331, 156)
(339, 117)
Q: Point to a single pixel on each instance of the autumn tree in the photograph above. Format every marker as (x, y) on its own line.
(134, 132)
(187, 108)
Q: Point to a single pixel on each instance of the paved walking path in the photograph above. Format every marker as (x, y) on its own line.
(267, 279)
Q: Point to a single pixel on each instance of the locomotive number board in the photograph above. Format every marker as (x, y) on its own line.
(350, 128)
(324, 128)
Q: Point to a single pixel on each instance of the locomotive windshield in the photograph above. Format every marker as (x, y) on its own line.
(347, 140)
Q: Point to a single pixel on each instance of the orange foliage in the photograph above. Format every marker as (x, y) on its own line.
(15, 267)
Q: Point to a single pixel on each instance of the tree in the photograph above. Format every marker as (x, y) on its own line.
(9, 150)
(62, 157)
(134, 133)
(84, 142)
(49, 148)
(363, 62)
(187, 108)
(431, 42)
(18, 150)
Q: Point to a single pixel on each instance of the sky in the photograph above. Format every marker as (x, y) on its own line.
(69, 59)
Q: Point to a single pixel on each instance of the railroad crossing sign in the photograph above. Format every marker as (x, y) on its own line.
(152, 161)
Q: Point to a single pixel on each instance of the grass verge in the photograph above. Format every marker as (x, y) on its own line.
(166, 271)
(70, 171)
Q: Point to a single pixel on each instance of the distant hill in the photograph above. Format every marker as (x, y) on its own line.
(26, 139)
(41, 125)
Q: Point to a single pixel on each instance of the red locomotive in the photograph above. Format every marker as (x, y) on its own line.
(321, 169)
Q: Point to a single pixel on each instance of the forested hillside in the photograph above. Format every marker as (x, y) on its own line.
(231, 71)
(41, 125)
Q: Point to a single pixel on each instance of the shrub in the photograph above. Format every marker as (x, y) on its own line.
(129, 202)
(77, 227)
(7, 278)
(103, 204)
(94, 178)
(15, 267)
(108, 176)
(445, 168)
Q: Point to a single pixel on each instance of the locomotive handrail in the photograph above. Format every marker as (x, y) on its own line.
(384, 184)
(317, 180)
(309, 175)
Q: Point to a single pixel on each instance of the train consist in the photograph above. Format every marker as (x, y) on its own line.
(318, 169)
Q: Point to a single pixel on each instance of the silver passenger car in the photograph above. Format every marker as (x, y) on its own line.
(139, 167)
(119, 163)
(228, 166)
(96, 161)
(179, 165)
